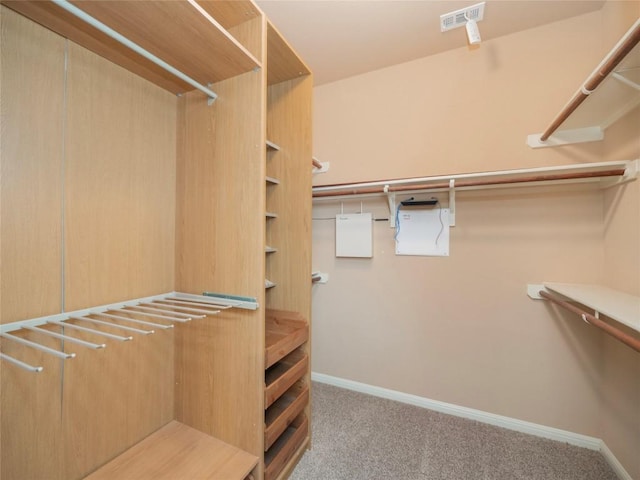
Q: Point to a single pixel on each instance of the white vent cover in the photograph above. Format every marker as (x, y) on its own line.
(457, 19)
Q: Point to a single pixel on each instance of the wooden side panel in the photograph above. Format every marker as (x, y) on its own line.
(31, 428)
(289, 126)
(31, 170)
(119, 184)
(220, 247)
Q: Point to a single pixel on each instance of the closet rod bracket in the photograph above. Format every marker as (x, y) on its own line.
(391, 199)
(452, 202)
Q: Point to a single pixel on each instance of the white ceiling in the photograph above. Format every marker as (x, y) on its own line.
(342, 38)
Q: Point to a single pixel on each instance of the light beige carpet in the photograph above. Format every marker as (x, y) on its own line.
(361, 437)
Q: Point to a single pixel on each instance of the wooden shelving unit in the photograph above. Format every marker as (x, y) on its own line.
(216, 380)
(288, 305)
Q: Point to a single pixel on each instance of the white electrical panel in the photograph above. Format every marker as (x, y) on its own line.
(354, 235)
(423, 232)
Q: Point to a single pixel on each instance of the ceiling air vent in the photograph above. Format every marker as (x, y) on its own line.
(457, 19)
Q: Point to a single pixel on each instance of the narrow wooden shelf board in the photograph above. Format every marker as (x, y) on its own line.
(619, 306)
(272, 146)
(178, 451)
(285, 447)
(273, 181)
(283, 412)
(284, 332)
(281, 376)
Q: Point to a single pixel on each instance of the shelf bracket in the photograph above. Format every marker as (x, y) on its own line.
(452, 203)
(391, 199)
(318, 166)
(319, 277)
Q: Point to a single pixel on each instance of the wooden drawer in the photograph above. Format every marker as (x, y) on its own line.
(285, 447)
(281, 376)
(284, 411)
(284, 332)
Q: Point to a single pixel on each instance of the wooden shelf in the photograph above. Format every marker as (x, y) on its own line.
(284, 411)
(273, 181)
(189, 40)
(283, 63)
(179, 451)
(272, 146)
(619, 306)
(268, 249)
(282, 375)
(271, 215)
(285, 331)
(285, 447)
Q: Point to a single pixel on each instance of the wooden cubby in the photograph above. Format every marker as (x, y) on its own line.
(144, 192)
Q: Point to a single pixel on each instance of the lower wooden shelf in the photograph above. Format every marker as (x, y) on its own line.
(277, 457)
(178, 451)
(284, 411)
(282, 375)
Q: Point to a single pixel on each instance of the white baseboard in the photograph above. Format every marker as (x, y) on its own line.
(509, 423)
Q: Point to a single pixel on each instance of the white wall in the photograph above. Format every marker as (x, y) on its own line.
(461, 329)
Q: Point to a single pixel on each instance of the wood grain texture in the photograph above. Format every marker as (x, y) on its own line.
(284, 332)
(219, 378)
(115, 397)
(68, 26)
(188, 41)
(284, 411)
(30, 427)
(286, 447)
(281, 376)
(178, 451)
(30, 169)
(119, 184)
(289, 126)
(230, 13)
(283, 63)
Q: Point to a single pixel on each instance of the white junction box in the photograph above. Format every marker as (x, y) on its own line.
(354, 235)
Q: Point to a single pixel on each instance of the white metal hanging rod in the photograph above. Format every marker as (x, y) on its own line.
(534, 176)
(159, 310)
(134, 320)
(66, 338)
(114, 325)
(19, 363)
(37, 346)
(73, 326)
(179, 308)
(197, 304)
(154, 315)
(133, 46)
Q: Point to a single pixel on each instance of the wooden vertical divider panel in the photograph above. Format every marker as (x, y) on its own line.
(220, 248)
(32, 159)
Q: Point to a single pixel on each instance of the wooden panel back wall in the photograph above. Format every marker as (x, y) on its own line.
(76, 159)
(32, 147)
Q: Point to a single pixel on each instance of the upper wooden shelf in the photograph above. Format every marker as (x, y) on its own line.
(619, 306)
(179, 451)
(183, 34)
(282, 62)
